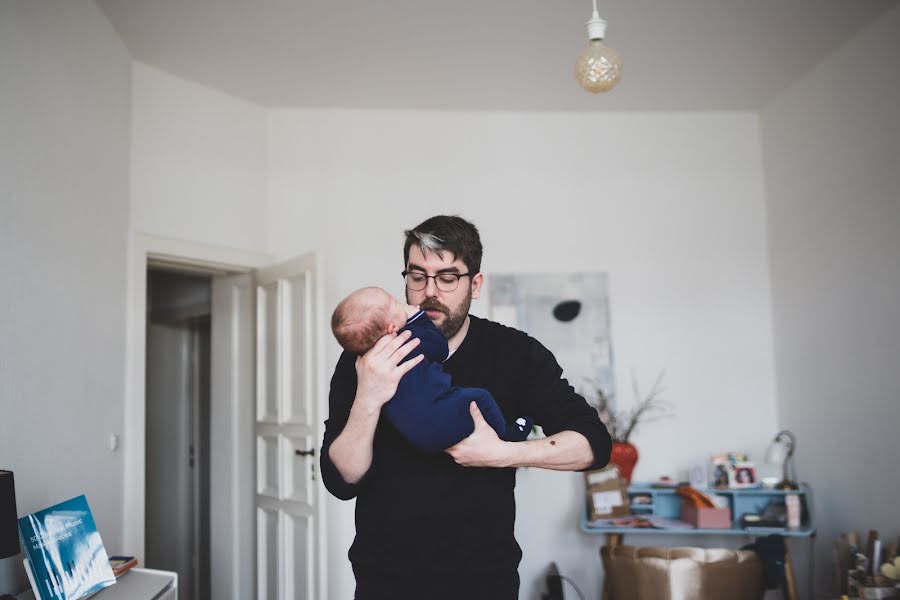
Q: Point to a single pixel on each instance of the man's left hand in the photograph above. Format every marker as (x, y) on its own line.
(483, 448)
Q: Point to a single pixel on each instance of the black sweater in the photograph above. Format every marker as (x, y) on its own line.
(422, 514)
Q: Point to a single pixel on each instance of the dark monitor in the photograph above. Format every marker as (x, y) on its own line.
(9, 527)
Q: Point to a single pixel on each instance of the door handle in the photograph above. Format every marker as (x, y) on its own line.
(311, 452)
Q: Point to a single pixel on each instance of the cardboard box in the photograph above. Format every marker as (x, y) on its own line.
(706, 518)
(607, 494)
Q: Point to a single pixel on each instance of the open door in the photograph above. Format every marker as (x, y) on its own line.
(285, 434)
(264, 504)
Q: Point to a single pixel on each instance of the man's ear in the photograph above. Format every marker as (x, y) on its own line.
(477, 282)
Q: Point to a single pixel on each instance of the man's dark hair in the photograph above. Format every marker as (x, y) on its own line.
(442, 233)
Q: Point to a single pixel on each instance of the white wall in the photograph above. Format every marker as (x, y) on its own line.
(670, 205)
(65, 99)
(832, 157)
(197, 163)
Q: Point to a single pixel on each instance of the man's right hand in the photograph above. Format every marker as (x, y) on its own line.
(378, 371)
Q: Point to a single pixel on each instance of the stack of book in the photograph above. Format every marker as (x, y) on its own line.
(121, 564)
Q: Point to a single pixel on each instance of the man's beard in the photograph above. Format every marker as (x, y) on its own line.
(453, 320)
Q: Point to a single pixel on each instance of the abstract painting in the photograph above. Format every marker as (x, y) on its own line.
(568, 313)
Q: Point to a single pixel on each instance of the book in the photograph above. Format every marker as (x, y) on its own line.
(64, 555)
(30, 577)
(121, 564)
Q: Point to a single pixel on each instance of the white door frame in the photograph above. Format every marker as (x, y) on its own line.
(205, 258)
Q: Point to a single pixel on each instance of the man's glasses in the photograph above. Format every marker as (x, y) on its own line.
(446, 282)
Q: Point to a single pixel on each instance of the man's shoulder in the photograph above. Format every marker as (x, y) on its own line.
(346, 363)
(489, 333)
(489, 330)
(343, 380)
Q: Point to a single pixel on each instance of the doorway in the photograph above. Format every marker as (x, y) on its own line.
(177, 428)
(266, 392)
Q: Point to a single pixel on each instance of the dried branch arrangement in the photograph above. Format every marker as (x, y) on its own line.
(649, 408)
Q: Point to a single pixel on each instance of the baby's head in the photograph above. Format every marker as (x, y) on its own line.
(366, 315)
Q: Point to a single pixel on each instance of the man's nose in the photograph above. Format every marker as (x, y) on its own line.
(431, 290)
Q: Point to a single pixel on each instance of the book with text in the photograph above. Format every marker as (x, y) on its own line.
(64, 554)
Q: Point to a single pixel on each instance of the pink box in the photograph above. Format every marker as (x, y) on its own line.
(706, 518)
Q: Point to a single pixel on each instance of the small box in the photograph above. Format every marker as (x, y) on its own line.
(607, 494)
(706, 518)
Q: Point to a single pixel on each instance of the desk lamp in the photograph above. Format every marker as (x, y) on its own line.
(781, 450)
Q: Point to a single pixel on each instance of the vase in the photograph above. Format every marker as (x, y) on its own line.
(624, 455)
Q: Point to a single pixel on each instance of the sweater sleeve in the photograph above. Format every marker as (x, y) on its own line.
(555, 405)
(340, 401)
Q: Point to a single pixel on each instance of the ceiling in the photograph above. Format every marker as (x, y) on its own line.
(487, 54)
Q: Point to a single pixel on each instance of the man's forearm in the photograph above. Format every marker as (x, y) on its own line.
(351, 451)
(564, 451)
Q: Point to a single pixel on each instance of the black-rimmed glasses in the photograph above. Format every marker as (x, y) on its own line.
(446, 282)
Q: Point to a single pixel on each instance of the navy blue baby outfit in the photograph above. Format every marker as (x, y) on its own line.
(431, 413)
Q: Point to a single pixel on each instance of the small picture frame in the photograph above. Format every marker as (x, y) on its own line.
(720, 467)
(697, 476)
(742, 475)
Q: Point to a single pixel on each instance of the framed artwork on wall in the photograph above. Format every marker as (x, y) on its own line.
(568, 313)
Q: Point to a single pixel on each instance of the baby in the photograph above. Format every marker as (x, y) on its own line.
(426, 409)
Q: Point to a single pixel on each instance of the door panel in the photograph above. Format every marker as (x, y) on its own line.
(267, 352)
(300, 470)
(267, 465)
(297, 347)
(285, 416)
(267, 548)
(298, 548)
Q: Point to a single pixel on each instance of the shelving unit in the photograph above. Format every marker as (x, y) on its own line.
(665, 503)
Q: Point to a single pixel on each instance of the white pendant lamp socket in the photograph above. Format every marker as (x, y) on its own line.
(598, 68)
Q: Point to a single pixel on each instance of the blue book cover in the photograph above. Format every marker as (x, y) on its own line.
(65, 552)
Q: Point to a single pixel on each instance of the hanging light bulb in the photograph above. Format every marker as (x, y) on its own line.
(598, 67)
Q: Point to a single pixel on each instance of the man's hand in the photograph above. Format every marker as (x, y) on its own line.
(483, 448)
(378, 371)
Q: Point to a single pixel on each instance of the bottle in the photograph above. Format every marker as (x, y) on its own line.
(793, 510)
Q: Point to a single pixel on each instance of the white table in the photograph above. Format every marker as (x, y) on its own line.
(136, 584)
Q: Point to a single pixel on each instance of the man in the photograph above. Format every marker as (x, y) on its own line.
(440, 526)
